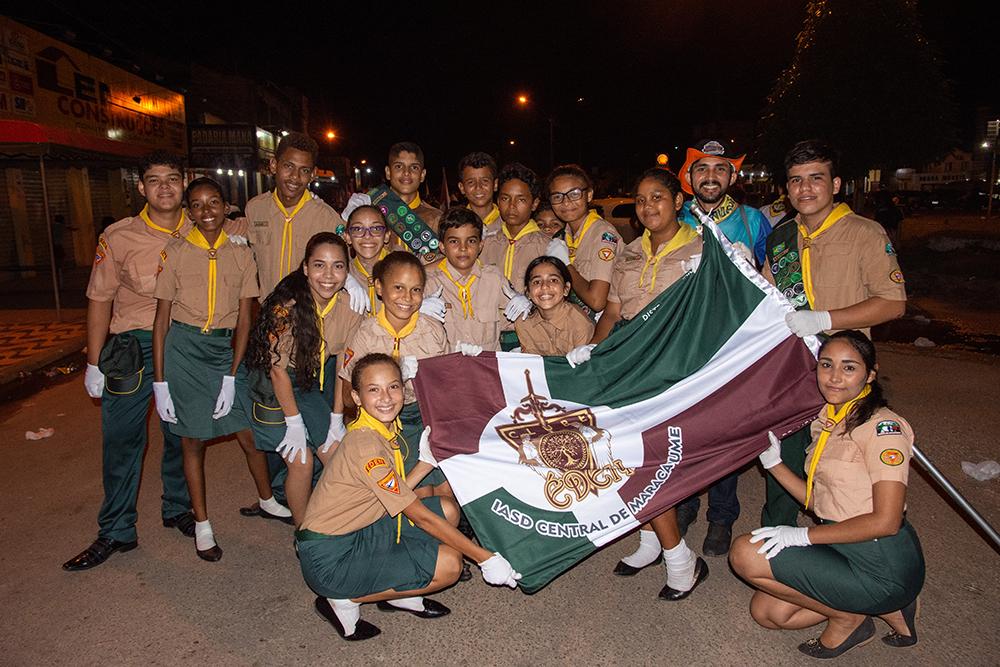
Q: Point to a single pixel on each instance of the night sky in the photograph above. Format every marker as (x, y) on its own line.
(446, 76)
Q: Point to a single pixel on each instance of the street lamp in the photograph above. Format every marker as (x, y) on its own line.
(523, 100)
(330, 135)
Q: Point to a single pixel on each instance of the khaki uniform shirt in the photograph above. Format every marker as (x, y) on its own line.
(124, 271)
(625, 287)
(595, 256)
(358, 487)
(567, 329)
(264, 226)
(481, 327)
(338, 326)
(492, 221)
(183, 279)
(877, 451)
(427, 340)
(526, 249)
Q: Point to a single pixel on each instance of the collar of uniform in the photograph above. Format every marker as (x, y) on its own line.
(415, 204)
(530, 226)
(365, 420)
(454, 275)
(560, 316)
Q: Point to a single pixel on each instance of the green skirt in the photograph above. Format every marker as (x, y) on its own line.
(369, 560)
(413, 427)
(873, 577)
(193, 365)
(508, 341)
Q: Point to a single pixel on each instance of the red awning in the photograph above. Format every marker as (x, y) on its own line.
(35, 139)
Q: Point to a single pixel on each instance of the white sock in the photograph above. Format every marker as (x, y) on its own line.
(272, 506)
(348, 613)
(646, 553)
(680, 562)
(203, 537)
(411, 604)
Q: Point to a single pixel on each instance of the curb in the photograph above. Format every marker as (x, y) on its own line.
(13, 372)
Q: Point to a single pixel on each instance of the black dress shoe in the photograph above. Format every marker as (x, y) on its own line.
(183, 522)
(97, 553)
(211, 555)
(466, 573)
(863, 634)
(623, 569)
(897, 640)
(257, 510)
(362, 629)
(432, 609)
(717, 540)
(685, 517)
(700, 574)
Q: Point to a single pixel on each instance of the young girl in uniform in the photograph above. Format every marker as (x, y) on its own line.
(367, 536)
(403, 332)
(864, 558)
(555, 326)
(299, 337)
(368, 236)
(205, 288)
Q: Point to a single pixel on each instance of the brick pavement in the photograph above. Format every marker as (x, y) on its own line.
(31, 339)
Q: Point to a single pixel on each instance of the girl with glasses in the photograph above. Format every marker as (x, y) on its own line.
(368, 236)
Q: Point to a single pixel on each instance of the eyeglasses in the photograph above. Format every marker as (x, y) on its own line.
(576, 194)
(359, 231)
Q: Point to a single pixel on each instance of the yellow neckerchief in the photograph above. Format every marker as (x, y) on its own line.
(684, 235)
(836, 214)
(196, 238)
(286, 231)
(574, 243)
(722, 211)
(508, 258)
(833, 418)
(397, 336)
(365, 420)
(372, 298)
(321, 314)
(464, 291)
(175, 232)
(491, 217)
(415, 204)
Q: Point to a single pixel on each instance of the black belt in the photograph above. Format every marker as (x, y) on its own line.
(218, 333)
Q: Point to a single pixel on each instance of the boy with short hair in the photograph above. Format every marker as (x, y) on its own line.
(475, 295)
(405, 172)
(518, 239)
(477, 181)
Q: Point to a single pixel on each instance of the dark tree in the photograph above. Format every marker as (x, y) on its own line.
(864, 78)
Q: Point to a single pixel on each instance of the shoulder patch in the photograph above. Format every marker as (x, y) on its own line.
(609, 237)
(389, 483)
(888, 427)
(373, 463)
(102, 242)
(348, 355)
(891, 457)
(99, 256)
(607, 254)
(896, 276)
(889, 250)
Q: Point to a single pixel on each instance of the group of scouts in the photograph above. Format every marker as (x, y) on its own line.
(274, 326)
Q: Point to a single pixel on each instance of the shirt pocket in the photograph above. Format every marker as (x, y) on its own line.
(139, 278)
(260, 236)
(839, 266)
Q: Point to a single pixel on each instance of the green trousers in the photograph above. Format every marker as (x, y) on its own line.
(124, 423)
(780, 508)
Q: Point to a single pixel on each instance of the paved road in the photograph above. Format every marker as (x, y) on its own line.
(159, 604)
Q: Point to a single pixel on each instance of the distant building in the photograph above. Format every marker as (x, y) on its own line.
(956, 167)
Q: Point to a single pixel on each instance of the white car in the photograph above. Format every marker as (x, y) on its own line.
(620, 212)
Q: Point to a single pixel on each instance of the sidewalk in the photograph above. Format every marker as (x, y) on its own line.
(32, 339)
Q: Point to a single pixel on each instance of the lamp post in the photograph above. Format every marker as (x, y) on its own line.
(524, 101)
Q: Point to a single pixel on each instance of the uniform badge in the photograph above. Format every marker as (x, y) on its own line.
(374, 463)
(260, 223)
(889, 250)
(888, 427)
(389, 483)
(891, 457)
(607, 254)
(896, 276)
(99, 256)
(778, 248)
(348, 355)
(609, 237)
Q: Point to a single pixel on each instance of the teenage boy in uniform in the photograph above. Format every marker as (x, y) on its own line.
(838, 269)
(405, 173)
(477, 181)
(120, 301)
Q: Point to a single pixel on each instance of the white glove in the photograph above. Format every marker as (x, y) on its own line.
(425, 448)
(236, 239)
(164, 404)
(777, 538)
(358, 294)
(93, 381)
(743, 250)
(294, 442)
(336, 432)
(433, 305)
(498, 572)
(227, 395)
(808, 322)
(579, 355)
(469, 350)
(691, 264)
(557, 248)
(408, 368)
(771, 456)
(355, 200)
(519, 306)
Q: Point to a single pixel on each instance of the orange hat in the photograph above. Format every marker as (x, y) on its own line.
(706, 148)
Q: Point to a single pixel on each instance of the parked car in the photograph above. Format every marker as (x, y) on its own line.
(620, 212)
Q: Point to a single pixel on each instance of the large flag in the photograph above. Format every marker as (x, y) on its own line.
(550, 463)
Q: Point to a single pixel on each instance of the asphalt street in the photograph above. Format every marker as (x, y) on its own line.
(161, 605)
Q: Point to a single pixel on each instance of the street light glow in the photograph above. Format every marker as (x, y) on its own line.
(331, 135)
(522, 99)
(511, 142)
